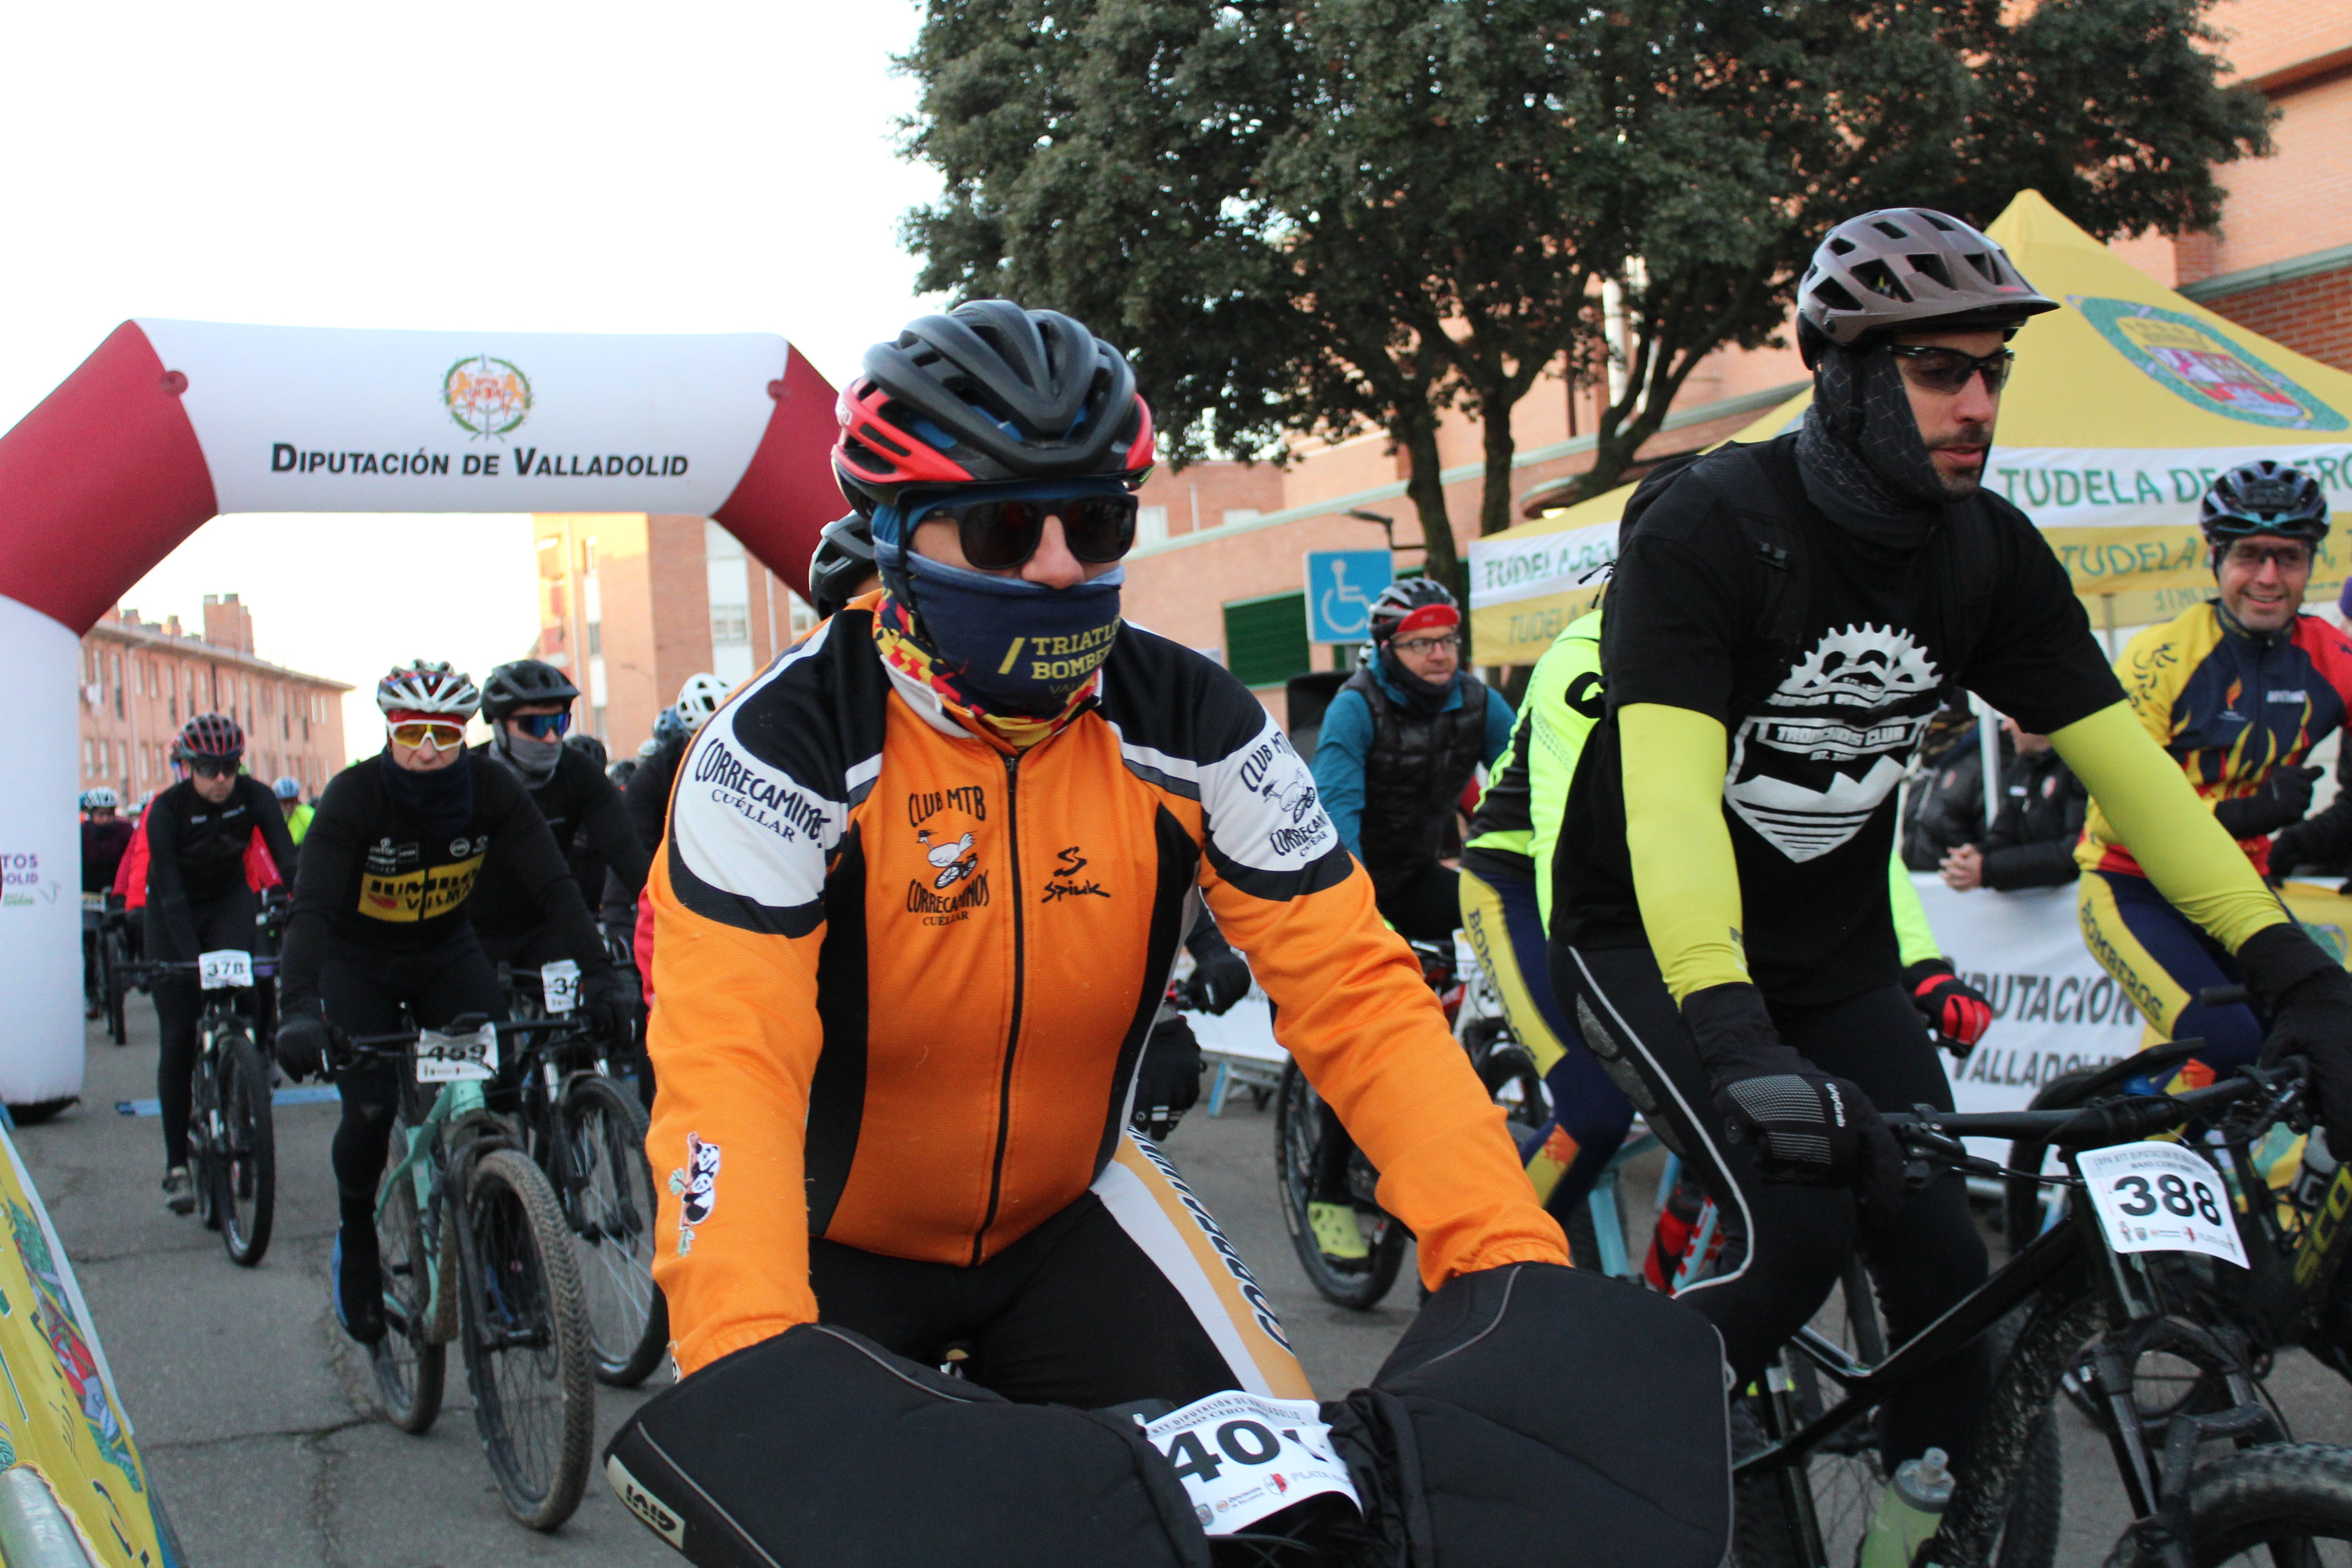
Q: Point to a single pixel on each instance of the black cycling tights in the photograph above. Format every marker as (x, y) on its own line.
(1798, 1239)
(227, 923)
(363, 990)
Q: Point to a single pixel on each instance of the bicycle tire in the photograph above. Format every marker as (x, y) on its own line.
(2276, 1496)
(2021, 1200)
(116, 984)
(1298, 1137)
(411, 1369)
(245, 1162)
(522, 1287)
(205, 1129)
(609, 1200)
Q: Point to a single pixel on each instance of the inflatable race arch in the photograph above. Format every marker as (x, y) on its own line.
(171, 423)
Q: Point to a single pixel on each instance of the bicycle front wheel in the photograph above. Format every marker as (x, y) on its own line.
(410, 1365)
(609, 1197)
(1300, 1129)
(2283, 1503)
(243, 1166)
(526, 1339)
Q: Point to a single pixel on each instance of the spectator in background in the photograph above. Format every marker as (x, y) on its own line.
(1946, 807)
(2032, 841)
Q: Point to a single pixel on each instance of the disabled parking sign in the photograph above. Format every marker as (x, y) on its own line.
(1340, 587)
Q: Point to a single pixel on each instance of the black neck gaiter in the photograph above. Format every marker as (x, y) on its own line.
(442, 801)
(1860, 454)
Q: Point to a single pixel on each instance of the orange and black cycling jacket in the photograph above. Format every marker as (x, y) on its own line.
(905, 973)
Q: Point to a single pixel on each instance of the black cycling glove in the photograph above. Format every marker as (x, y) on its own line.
(2290, 851)
(1955, 1010)
(2284, 799)
(1219, 980)
(1168, 1083)
(2308, 997)
(610, 998)
(302, 1040)
(1807, 1127)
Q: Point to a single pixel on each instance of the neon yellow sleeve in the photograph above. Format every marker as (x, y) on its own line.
(1684, 878)
(1563, 721)
(1912, 935)
(2156, 813)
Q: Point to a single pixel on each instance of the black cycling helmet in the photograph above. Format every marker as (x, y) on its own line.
(525, 680)
(1908, 270)
(2262, 497)
(622, 772)
(1402, 599)
(209, 735)
(986, 394)
(843, 560)
(588, 746)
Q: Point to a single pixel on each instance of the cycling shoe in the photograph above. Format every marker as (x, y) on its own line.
(357, 1289)
(179, 1190)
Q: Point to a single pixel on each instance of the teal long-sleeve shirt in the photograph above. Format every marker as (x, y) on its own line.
(1347, 735)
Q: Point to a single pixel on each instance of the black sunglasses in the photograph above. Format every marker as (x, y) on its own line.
(1947, 370)
(998, 535)
(215, 767)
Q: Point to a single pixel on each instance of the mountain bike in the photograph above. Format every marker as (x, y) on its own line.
(476, 1249)
(587, 1132)
(232, 1140)
(2086, 1280)
(1316, 1161)
(118, 971)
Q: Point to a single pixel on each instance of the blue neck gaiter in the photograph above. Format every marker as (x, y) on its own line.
(1018, 647)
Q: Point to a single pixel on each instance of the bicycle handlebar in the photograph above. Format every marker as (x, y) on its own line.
(2094, 1126)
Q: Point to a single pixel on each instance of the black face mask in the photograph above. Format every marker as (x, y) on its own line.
(442, 801)
(1860, 452)
(1428, 696)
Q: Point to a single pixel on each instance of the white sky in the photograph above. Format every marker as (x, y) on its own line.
(693, 167)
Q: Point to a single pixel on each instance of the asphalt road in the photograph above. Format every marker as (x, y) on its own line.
(256, 1418)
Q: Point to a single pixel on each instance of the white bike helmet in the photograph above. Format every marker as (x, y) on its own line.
(698, 698)
(99, 799)
(421, 688)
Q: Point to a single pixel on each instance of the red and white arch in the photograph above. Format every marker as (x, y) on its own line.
(171, 423)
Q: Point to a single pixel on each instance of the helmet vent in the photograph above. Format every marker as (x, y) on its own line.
(1932, 266)
(1983, 264)
(1892, 231)
(1840, 245)
(1832, 293)
(1878, 277)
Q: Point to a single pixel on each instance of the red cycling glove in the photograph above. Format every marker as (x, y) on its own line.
(1954, 1009)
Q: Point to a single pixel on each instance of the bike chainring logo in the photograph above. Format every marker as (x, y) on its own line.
(487, 396)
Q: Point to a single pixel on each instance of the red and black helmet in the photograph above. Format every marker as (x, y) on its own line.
(986, 394)
(1412, 603)
(209, 735)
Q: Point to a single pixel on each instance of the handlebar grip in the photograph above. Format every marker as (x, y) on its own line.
(2224, 996)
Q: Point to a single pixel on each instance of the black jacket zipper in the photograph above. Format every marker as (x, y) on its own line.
(1012, 1032)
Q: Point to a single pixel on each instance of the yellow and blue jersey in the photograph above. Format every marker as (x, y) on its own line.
(2228, 706)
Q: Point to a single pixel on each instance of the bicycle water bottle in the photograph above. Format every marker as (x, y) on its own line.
(1907, 1516)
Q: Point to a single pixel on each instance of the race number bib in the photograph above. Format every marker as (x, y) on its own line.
(2161, 1197)
(1243, 1457)
(559, 983)
(452, 1058)
(224, 969)
(94, 902)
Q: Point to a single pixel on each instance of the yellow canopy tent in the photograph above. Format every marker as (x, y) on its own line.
(2123, 405)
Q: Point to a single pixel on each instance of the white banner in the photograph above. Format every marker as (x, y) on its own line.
(40, 860)
(317, 419)
(2054, 1008)
(1503, 569)
(2126, 487)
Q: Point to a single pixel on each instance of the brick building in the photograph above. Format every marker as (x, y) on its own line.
(141, 681)
(1226, 574)
(630, 605)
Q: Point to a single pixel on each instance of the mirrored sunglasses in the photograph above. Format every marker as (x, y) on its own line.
(446, 736)
(998, 535)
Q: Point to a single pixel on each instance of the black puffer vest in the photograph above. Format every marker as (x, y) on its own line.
(1414, 771)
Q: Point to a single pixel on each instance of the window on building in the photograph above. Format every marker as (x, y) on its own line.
(1265, 638)
(1239, 514)
(1150, 524)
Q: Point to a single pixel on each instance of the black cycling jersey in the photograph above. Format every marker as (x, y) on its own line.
(102, 848)
(195, 849)
(1821, 720)
(375, 875)
(578, 801)
(648, 801)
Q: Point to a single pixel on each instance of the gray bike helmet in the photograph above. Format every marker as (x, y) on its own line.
(510, 685)
(1908, 269)
(2264, 497)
